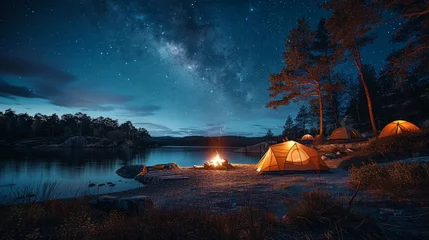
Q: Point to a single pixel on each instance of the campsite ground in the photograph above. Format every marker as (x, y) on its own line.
(321, 202)
(222, 191)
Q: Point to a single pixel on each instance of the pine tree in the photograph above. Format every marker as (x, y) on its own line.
(287, 128)
(269, 136)
(304, 73)
(302, 118)
(414, 32)
(351, 24)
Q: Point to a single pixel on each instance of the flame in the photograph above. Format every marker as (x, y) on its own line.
(217, 161)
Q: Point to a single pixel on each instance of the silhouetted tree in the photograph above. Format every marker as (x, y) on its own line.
(413, 58)
(269, 136)
(351, 24)
(308, 65)
(15, 127)
(302, 118)
(357, 109)
(287, 127)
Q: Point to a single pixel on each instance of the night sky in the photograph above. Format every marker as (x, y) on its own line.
(174, 67)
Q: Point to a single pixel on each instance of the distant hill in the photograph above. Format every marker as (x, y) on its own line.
(224, 141)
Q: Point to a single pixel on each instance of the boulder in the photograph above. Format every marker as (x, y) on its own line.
(172, 165)
(137, 204)
(130, 171)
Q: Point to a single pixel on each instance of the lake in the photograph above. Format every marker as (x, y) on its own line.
(24, 171)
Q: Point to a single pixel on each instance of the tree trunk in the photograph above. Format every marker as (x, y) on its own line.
(368, 99)
(319, 92)
(358, 63)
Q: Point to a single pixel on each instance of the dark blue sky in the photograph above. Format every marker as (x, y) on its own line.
(175, 67)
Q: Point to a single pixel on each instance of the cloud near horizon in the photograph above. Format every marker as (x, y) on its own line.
(52, 84)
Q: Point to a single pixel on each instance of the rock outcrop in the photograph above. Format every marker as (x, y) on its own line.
(130, 171)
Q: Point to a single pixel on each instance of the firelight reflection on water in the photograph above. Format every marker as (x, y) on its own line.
(73, 170)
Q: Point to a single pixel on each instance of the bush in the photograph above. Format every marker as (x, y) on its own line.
(321, 214)
(74, 219)
(404, 143)
(396, 179)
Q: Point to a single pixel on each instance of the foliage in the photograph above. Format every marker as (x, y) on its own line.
(74, 219)
(302, 118)
(396, 180)
(287, 127)
(351, 24)
(19, 126)
(269, 135)
(357, 108)
(320, 212)
(404, 143)
(413, 58)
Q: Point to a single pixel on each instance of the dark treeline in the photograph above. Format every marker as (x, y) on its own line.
(15, 126)
(314, 59)
(222, 141)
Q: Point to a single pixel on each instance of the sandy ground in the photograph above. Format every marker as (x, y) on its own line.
(220, 190)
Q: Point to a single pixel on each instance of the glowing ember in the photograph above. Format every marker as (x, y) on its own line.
(217, 161)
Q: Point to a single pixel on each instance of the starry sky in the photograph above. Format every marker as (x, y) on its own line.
(174, 67)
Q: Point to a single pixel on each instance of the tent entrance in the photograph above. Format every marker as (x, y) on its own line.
(297, 156)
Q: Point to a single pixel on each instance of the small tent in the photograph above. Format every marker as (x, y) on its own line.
(291, 156)
(398, 127)
(307, 137)
(343, 133)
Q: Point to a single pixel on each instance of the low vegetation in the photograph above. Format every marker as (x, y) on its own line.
(75, 219)
(321, 213)
(398, 180)
(402, 144)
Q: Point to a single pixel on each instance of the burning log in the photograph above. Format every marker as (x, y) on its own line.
(217, 163)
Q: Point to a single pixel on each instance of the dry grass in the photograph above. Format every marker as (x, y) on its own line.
(74, 219)
(397, 180)
(320, 214)
(405, 143)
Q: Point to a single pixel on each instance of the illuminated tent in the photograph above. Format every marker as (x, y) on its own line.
(290, 156)
(343, 133)
(307, 137)
(398, 127)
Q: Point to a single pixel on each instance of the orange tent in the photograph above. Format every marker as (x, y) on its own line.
(343, 133)
(398, 127)
(307, 137)
(289, 156)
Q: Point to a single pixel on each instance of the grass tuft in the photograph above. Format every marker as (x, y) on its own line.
(319, 213)
(396, 180)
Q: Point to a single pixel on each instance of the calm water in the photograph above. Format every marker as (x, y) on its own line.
(72, 170)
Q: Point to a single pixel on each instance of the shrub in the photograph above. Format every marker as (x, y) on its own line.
(396, 179)
(319, 213)
(74, 219)
(404, 143)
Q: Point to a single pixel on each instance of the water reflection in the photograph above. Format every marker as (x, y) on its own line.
(73, 169)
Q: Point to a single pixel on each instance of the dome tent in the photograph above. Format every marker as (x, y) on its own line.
(307, 137)
(343, 133)
(398, 127)
(291, 156)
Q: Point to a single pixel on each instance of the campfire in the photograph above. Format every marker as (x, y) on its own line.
(217, 163)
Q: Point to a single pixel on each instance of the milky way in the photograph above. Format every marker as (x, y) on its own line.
(177, 67)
